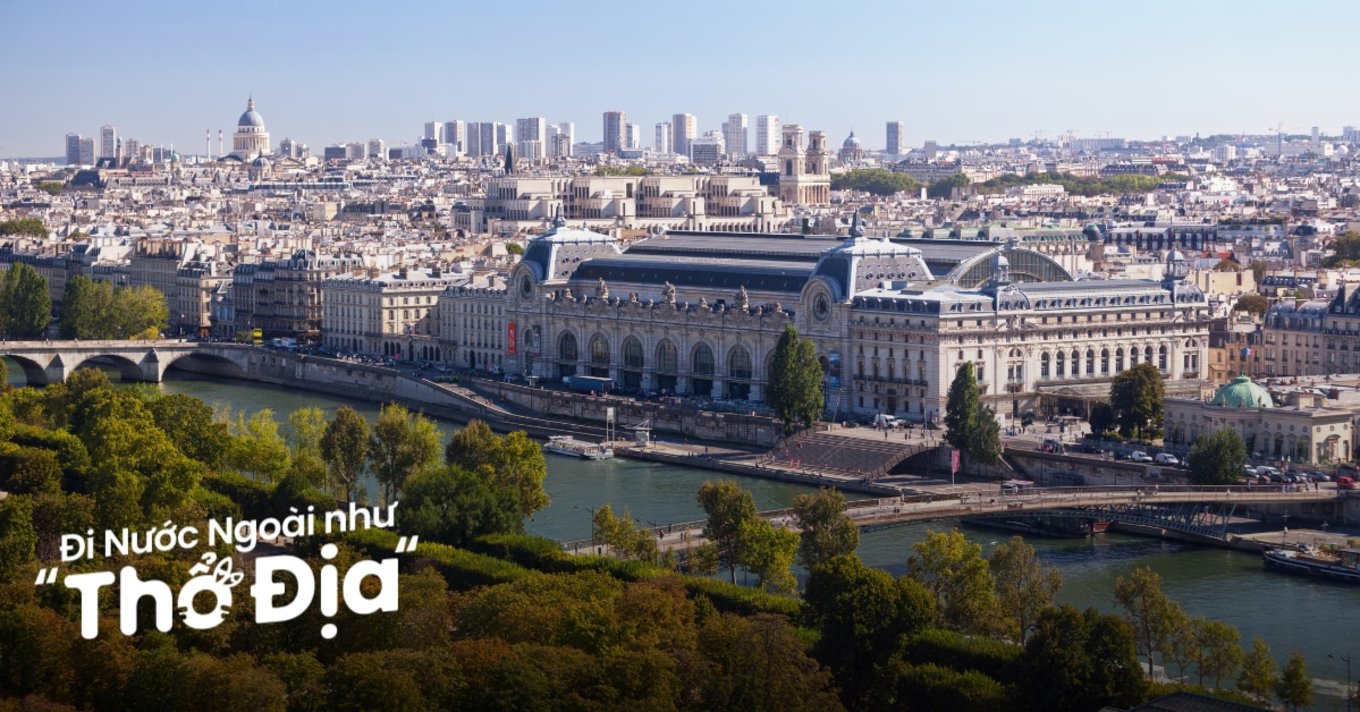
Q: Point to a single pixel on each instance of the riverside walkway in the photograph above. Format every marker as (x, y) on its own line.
(979, 500)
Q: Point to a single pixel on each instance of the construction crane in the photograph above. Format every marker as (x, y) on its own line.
(1279, 136)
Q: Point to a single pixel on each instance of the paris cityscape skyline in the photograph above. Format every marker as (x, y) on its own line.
(1048, 68)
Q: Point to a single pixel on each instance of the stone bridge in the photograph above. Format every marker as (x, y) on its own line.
(46, 362)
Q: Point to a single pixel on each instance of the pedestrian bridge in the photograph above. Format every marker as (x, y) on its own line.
(1171, 507)
(46, 362)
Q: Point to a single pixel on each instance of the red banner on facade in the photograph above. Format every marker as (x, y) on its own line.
(954, 462)
(510, 338)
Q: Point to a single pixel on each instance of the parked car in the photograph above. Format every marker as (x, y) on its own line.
(1319, 477)
(1166, 458)
(1270, 472)
(1140, 456)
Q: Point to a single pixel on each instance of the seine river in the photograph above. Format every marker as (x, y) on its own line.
(1288, 612)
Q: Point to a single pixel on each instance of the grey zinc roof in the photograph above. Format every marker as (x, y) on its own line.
(703, 272)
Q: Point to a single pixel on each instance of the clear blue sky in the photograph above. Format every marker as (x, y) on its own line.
(953, 70)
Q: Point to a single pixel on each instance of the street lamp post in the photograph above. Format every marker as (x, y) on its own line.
(1345, 659)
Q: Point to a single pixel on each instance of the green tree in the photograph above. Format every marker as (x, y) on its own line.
(1345, 251)
(622, 535)
(1253, 304)
(863, 616)
(943, 188)
(1078, 661)
(27, 305)
(1217, 458)
(189, 424)
(795, 384)
(1025, 586)
(768, 552)
(825, 529)
(969, 427)
(1102, 418)
(18, 538)
(1295, 687)
(1149, 611)
(514, 248)
(403, 443)
(758, 663)
(1227, 264)
(1259, 674)
(1259, 269)
(306, 427)
(51, 187)
(77, 308)
(952, 569)
(32, 227)
(961, 408)
(453, 505)
(99, 310)
(1217, 652)
(514, 462)
(344, 446)
(257, 447)
(1136, 395)
(728, 507)
(876, 181)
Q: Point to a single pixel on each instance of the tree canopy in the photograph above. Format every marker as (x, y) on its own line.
(729, 508)
(876, 181)
(25, 304)
(795, 385)
(1253, 304)
(99, 310)
(1217, 458)
(1136, 396)
(969, 427)
(33, 227)
(825, 528)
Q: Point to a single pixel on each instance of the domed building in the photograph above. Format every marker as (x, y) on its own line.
(1242, 393)
(851, 150)
(1314, 430)
(251, 140)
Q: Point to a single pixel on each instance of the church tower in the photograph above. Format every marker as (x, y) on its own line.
(804, 177)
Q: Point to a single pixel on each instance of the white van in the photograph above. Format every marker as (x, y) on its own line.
(1166, 458)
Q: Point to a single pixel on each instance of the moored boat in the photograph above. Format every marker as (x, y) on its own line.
(571, 447)
(1340, 565)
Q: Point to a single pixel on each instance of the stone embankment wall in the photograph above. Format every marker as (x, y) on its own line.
(754, 430)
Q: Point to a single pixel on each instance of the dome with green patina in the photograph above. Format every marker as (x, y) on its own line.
(1242, 393)
(1093, 233)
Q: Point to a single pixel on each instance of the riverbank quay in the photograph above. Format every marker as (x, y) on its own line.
(746, 463)
(1141, 506)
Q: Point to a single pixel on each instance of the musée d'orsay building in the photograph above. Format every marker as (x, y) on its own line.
(699, 314)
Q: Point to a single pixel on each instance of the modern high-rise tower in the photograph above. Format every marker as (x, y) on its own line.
(615, 131)
(734, 135)
(72, 149)
(897, 139)
(663, 138)
(108, 142)
(767, 135)
(534, 128)
(684, 127)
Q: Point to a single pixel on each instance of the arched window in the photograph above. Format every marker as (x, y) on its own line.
(702, 362)
(1147, 354)
(632, 353)
(1104, 360)
(599, 350)
(1161, 358)
(739, 363)
(666, 360)
(1118, 360)
(566, 347)
(1061, 369)
(1043, 365)
(1090, 361)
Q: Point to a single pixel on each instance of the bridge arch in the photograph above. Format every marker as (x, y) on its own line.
(128, 369)
(202, 361)
(35, 374)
